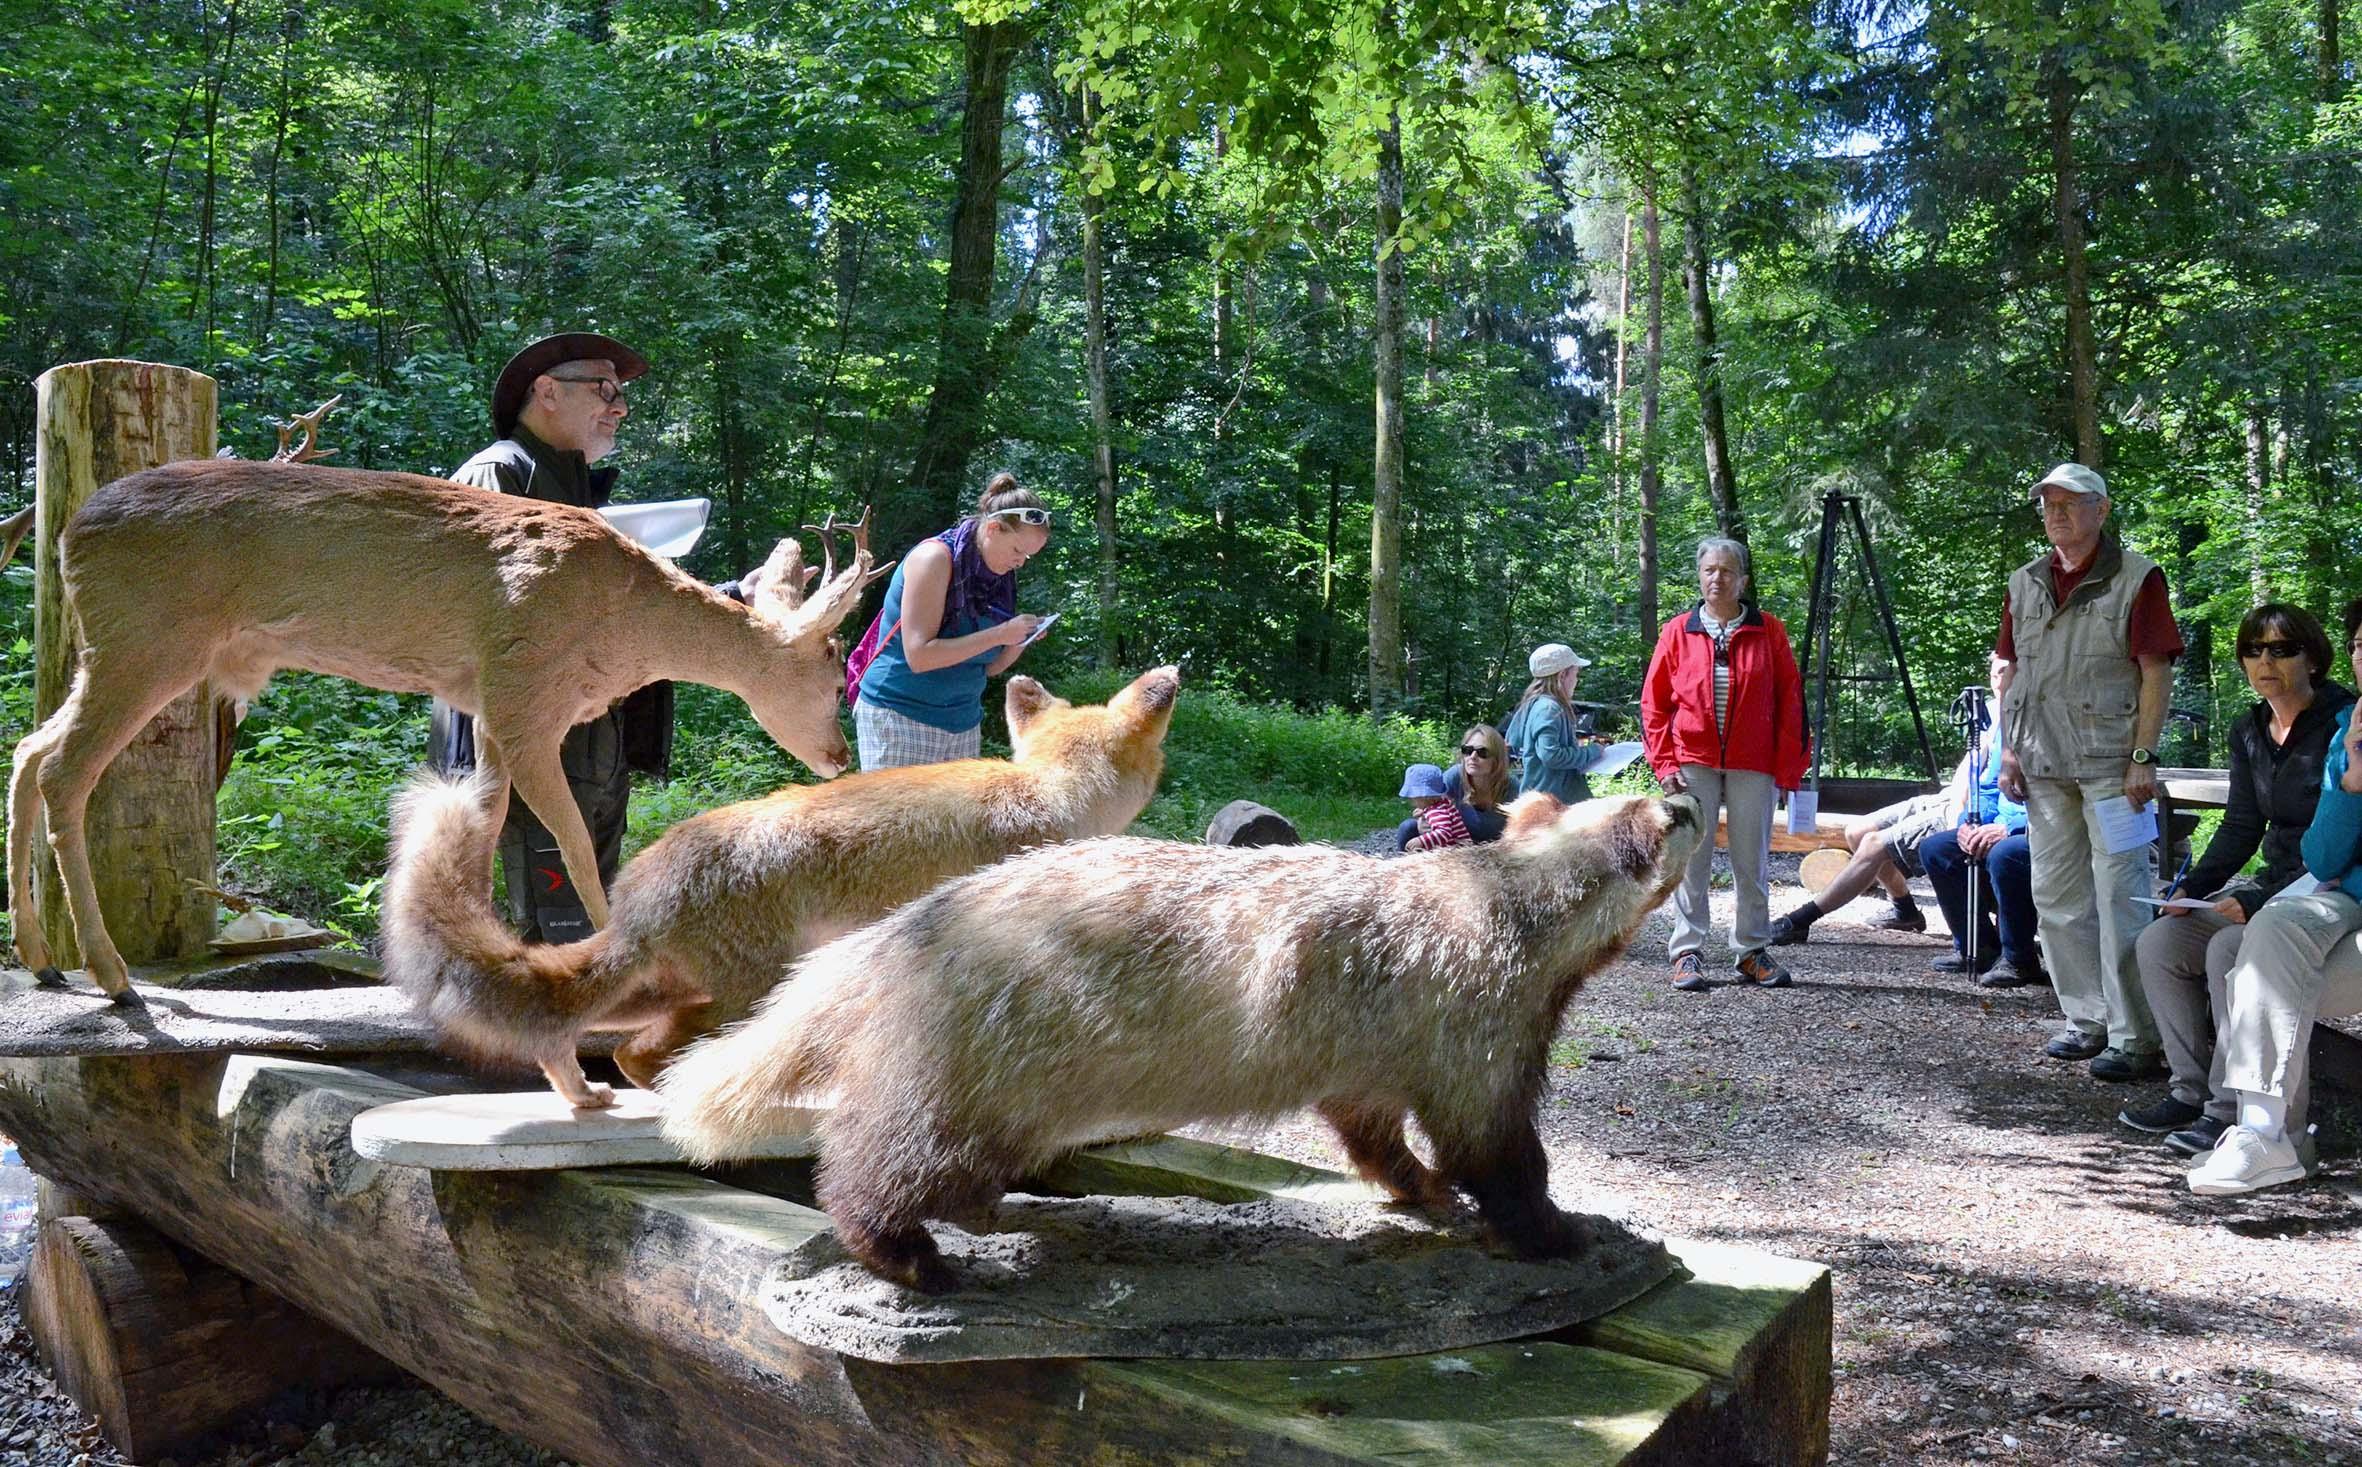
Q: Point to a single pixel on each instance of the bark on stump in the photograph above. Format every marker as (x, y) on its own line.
(1245, 823)
(151, 820)
(165, 1348)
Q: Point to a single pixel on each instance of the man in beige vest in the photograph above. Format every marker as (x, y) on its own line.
(2092, 639)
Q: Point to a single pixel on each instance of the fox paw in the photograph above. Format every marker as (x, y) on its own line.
(594, 1096)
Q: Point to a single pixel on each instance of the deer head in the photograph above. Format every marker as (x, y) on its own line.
(796, 704)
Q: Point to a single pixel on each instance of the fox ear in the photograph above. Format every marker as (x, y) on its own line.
(1026, 700)
(1152, 692)
(778, 588)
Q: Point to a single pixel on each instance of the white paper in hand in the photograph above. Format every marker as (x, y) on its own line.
(1039, 627)
(2122, 828)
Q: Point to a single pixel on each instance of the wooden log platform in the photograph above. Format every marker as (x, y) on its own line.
(617, 1315)
(1828, 837)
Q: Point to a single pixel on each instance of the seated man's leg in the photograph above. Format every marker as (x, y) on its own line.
(1872, 860)
(2009, 891)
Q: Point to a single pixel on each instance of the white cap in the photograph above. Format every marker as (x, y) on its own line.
(2073, 477)
(1552, 658)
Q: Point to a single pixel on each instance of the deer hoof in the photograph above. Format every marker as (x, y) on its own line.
(50, 977)
(128, 999)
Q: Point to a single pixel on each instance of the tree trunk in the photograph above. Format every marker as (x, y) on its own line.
(1721, 482)
(2258, 480)
(1623, 358)
(954, 426)
(288, 26)
(2083, 373)
(2328, 73)
(151, 819)
(1386, 480)
(1652, 362)
(1102, 420)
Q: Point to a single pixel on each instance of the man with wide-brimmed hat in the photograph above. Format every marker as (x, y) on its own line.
(2091, 639)
(557, 406)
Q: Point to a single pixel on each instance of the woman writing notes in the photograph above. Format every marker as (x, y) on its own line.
(949, 621)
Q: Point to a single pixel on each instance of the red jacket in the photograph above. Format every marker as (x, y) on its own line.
(1766, 728)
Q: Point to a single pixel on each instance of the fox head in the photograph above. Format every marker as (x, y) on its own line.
(1129, 729)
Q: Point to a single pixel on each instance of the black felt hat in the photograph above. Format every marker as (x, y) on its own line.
(516, 379)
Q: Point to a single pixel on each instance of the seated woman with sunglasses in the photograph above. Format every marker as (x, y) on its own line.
(1479, 784)
(949, 621)
(2278, 751)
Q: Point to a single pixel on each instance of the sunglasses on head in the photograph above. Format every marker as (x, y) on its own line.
(1479, 750)
(1028, 516)
(2277, 651)
(610, 390)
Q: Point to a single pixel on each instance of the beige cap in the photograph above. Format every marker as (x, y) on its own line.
(1552, 658)
(2075, 477)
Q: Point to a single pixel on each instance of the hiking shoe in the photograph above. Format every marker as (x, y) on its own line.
(1762, 971)
(1900, 917)
(1689, 973)
(2074, 1044)
(2198, 1137)
(2006, 974)
(1953, 962)
(2117, 1066)
(1789, 930)
(2243, 1161)
(2166, 1115)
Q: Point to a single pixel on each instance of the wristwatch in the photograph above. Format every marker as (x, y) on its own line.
(2144, 756)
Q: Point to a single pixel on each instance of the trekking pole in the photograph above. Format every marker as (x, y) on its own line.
(1972, 715)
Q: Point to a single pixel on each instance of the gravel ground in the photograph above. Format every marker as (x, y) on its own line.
(2018, 1277)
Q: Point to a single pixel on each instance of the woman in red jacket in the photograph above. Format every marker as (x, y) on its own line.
(1722, 716)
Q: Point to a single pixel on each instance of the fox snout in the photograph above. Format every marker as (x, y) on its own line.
(1682, 810)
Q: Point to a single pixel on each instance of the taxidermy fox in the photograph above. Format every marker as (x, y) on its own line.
(530, 615)
(708, 918)
(1120, 986)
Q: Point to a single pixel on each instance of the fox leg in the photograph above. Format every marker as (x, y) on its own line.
(642, 1057)
(541, 783)
(1373, 1139)
(565, 1076)
(1505, 1169)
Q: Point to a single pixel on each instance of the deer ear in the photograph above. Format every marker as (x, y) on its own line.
(779, 586)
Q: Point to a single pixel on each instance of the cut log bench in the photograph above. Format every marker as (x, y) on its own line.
(636, 1314)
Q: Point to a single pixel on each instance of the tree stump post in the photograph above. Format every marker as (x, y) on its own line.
(151, 820)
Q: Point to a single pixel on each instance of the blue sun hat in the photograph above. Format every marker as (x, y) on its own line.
(1422, 780)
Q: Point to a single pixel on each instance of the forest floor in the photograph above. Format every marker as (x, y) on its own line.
(2018, 1277)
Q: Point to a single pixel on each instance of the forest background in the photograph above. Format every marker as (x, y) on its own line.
(1611, 275)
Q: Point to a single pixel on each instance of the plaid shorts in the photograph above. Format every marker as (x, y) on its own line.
(1908, 822)
(889, 741)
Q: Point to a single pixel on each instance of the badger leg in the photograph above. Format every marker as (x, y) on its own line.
(879, 1184)
(1508, 1173)
(1373, 1140)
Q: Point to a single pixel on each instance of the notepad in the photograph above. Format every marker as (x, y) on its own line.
(2122, 828)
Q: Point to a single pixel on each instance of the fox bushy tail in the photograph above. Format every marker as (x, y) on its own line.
(723, 1094)
(487, 991)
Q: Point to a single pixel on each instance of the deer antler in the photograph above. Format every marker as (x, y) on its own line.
(826, 530)
(836, 595)
(309, 423)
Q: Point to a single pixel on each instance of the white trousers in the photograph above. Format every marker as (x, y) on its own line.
(2300, 960)
(1746, 798)
(2084, 898)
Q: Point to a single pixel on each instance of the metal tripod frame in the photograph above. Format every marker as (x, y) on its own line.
(1841, 509)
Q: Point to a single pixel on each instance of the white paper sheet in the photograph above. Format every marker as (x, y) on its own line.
(2177, 904)
(1613, 758)
(2122, 828)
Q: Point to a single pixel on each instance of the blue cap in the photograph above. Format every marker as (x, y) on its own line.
(1422, 779)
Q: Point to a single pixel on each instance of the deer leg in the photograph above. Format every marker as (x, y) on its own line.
(109, 705)
(541, 783)
(24, 816)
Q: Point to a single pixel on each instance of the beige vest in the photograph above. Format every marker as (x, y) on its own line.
(2075, 696)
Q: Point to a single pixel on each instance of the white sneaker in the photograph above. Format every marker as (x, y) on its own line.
(2243, 1161)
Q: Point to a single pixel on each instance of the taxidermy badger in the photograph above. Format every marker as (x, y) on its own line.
(1121, 986)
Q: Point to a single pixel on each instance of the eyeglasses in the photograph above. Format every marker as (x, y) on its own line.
(1475, 750)
(2277, 651)
(610, 390)
(1027, 516)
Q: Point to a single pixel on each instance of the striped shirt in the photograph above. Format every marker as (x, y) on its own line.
(1721, 632)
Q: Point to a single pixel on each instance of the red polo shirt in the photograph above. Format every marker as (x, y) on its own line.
(2152, 633)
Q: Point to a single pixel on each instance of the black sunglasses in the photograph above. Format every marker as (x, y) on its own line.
(610, 390)
(2277, 651)
(1477, 749)
(1722, 654)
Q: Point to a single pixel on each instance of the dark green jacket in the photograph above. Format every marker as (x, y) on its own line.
(524, 465)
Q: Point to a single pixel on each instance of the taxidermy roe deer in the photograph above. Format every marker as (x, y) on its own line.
(532, 616)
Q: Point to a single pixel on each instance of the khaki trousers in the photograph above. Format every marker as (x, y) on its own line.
(1746, 798)
(2183, 961)
(2301, 959)
(2084, 899)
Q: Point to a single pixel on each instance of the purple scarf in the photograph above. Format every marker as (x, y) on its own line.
(974, 588)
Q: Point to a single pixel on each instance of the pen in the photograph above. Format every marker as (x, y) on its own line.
(2175, 885)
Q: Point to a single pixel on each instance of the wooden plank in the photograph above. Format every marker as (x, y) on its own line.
(1828, 837)
(582, 1309)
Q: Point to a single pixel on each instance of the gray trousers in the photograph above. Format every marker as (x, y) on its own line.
(1746, 799)
(2084, 898)
(2183, 961)
(2301, 959)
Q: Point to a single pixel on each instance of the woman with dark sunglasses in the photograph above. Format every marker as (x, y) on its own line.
(1722, 716)
(1480, 784)
(949, 621)
(2278, 749)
